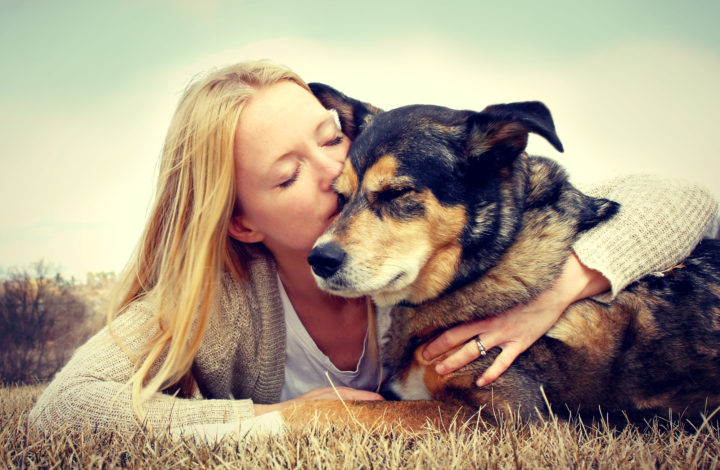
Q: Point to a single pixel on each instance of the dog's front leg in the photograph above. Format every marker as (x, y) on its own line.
(376, 416)
(514, 393)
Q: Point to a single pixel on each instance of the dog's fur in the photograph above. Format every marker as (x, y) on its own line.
(446, 217)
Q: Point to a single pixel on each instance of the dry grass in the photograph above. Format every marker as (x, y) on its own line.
(549, 444)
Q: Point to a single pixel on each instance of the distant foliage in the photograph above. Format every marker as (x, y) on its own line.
(41, 323)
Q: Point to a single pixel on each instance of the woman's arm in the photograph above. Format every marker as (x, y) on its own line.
(90, 392)
(659, 223)
(518, 328)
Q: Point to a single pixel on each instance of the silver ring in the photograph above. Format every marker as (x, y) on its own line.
(480, 346)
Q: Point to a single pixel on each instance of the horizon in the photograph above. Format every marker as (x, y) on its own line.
(89, 90)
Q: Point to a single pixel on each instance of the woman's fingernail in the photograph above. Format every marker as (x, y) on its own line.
(480, 382)
(440, 369)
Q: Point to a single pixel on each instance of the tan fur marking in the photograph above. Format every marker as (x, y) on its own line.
(585, 327)
(539, 174)
(645, 320)
(513, 133)
(595, 330)
(669, 401)
(375, 243)
(347, 182)
(433, 381)
(445, 226)
(380, 174)
(376, 416)
(714, 288)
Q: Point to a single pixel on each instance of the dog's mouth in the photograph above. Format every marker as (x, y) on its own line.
(398, 277)
(340, 284)
(347, 270)
(345, 286)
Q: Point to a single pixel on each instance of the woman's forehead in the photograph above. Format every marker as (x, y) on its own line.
(275, 119)
(281, 107)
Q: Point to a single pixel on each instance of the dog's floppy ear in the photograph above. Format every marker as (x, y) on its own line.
(503, 129)
(354, 114)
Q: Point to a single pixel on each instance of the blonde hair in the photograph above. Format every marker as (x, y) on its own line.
(185, 248)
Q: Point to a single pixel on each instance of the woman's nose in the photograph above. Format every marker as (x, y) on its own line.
(329, 169)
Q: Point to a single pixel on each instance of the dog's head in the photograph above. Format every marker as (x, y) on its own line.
(422, 187)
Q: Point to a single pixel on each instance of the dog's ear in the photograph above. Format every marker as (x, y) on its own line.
(502, 129)
(354, 115)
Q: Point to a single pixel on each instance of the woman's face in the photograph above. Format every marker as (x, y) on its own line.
(288, 151)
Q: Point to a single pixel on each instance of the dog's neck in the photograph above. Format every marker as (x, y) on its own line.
(530, 265)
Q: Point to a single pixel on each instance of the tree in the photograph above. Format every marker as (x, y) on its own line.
(41, 323)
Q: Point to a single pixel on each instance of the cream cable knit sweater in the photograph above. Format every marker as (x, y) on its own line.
(241, 359)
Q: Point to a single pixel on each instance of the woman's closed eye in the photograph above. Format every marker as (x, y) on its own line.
(288, 182)
(336, 141)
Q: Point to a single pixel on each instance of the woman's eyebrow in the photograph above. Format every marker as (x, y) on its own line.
(282, 158)
(331, 119)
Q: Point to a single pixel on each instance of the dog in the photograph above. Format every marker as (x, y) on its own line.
(449, 220)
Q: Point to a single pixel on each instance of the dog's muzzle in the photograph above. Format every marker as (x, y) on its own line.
(326, 259)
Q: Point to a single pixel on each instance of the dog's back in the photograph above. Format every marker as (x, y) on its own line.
(668, 354)
(655, 347)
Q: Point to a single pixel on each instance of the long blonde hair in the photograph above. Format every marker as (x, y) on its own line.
(185, 248)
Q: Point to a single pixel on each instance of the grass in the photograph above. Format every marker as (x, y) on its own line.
(551, 443)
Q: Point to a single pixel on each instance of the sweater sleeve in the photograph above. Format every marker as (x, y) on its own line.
(90, 392)
(659, 223)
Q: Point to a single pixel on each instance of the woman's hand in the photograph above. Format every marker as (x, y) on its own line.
(322, 393)
(337, 393)
(518, 328)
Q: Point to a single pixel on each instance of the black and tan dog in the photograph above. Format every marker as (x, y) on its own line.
(446, 217)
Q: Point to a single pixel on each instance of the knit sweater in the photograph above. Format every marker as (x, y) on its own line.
(241, 358)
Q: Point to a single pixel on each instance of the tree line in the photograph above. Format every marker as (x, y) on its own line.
(42, 321)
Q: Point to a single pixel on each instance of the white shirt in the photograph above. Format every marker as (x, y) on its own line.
(306, 365)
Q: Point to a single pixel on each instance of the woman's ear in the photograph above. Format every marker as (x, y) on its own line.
(242, 232)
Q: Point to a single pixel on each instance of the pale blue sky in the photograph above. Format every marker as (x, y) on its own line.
(87, 89)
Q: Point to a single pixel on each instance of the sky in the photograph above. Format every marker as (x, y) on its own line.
(87, 90)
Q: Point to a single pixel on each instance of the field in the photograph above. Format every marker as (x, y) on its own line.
(552, 443)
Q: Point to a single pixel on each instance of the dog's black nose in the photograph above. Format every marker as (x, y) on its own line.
(326, 259)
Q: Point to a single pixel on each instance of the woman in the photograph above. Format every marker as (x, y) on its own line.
(219, 302)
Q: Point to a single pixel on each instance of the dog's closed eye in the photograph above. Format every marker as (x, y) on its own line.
(393, 193)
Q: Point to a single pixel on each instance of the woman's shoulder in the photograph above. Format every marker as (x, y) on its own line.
(248, 319)
(259, 275)
(254, 293)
